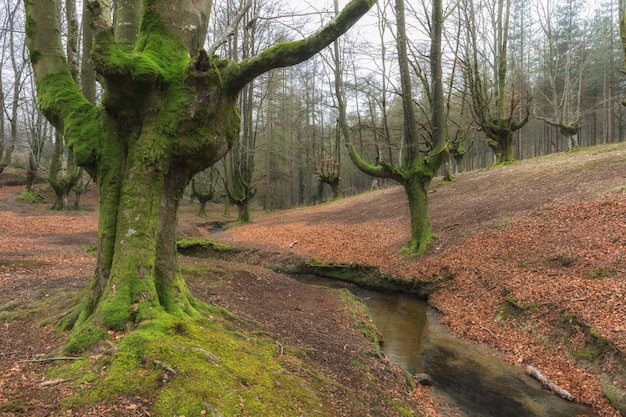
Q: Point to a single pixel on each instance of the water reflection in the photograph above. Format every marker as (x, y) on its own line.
(402, 321)
(472, 380)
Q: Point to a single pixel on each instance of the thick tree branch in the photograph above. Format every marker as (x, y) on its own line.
(379, 170)
(285, 54)
(58, 94)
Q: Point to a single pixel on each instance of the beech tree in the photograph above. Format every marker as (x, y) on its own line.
(203, 188)
(11, 52)
(63, 177)
(495, 100)
(168, 111)
(564, 55)
(415, 171)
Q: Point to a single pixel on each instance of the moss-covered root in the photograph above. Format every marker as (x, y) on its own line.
(194, 368)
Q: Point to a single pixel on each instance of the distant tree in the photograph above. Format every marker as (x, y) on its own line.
(564, 55)
(238, 183)
(622, 31)
(38, 134)
(603, 84)
(415, 171)
(495, 101)
(13, 51)
(64, 174)
(203, 188)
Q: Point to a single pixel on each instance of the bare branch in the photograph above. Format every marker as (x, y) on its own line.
(230, 30)
(286, 54)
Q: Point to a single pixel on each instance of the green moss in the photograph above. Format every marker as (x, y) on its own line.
(597, 338)
(84, 337)
(31, 196)
(217, 367)
(16, 405)
(601, 272)
(615, 394)
(362, 318)
(202, 248)
(405, 410)
(61, 101)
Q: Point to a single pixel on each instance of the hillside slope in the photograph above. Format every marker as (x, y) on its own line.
(537, 250)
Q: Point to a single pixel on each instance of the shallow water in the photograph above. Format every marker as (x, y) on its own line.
(473, 381)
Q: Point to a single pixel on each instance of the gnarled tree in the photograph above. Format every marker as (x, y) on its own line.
(564, 57)
(495, 100)
(168, 111)
(415, 171)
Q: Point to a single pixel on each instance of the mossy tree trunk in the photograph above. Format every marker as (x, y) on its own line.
(416, 171)
(569, 130)
(203, 188)
(164, 117)
(63, 178)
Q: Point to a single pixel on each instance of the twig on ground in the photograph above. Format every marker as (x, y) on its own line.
(53, 382)
(64, 358)
(490, 332)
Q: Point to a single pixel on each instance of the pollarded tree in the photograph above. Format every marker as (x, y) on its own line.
(169, 110)
(564, 56)
(495, 100)
(64, 176)
(203, 188)
(416, 171)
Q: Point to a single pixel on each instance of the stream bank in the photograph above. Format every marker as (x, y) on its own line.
(472, 380)
(289, 262)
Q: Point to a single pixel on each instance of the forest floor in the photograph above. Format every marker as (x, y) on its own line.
(534, 256)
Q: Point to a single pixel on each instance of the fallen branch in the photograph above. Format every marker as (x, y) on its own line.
(534, 372)
(490, 332)
(53, 382)
(66, 358)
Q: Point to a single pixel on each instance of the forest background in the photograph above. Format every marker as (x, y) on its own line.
(564, 69)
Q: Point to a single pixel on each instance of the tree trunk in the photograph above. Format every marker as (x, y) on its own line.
(164, 117)
(62, 184)
(243, 212)
(421, 229)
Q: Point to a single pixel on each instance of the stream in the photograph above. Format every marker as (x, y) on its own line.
(472, 381)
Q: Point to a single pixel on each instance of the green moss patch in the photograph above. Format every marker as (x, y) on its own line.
(362, 318)
(203, 248)
(193, 368)
(31, 196)
(39, 303)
